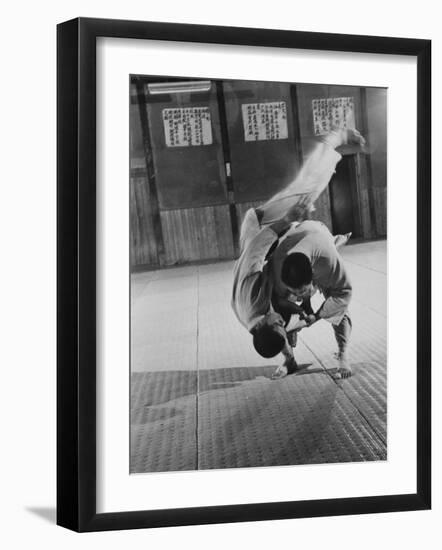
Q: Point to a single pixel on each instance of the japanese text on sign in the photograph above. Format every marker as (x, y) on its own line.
(187, 126)
(263, 121)
(337, 112)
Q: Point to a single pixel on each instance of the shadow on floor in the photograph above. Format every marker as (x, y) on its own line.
(150, 391)
(153, 389)
(282, 424)
(244, 419)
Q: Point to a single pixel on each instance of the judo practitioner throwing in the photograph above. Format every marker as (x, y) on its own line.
(285, 258)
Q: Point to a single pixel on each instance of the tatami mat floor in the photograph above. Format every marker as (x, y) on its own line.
(201, 397)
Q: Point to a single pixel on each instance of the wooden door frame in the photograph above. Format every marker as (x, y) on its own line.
(296, 123)
(355, 174)
(225, 143)
(368, 167)
(356, 192)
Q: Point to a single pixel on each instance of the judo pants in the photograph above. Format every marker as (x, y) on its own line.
(342, 333)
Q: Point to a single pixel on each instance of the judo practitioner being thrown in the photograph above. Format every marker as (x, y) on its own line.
(285, 258)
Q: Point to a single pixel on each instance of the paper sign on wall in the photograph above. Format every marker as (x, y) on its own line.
(264, 121)
(332, 112)
(187, 126)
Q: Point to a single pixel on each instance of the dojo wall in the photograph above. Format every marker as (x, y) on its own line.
(203, 192)
(377, 134)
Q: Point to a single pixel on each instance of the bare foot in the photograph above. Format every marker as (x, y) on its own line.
(280, 372)
(340, 240)
(288, 367)
(344, 369)
(353, 136)
(340, 136)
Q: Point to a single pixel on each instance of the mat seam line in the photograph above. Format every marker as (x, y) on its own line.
(380, 436)
(376, 433)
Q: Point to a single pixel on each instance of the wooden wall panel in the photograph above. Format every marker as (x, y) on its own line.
(376, 99)
(223, 231)
(203, 230)
(143, 248)
(196, 234)
(380, 198)
(365, 214)
(366, 194)
(377, 134)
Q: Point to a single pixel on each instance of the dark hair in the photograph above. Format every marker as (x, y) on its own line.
(296, 270)
(268, 341)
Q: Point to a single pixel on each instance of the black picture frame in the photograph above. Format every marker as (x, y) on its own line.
(76, 274)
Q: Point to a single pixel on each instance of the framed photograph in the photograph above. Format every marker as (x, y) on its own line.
(243, 274)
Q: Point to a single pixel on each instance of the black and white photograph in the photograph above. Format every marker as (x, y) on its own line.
(220, 235)
(258, 274)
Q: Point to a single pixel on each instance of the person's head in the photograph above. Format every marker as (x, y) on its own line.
(269, 335)
(297, 274)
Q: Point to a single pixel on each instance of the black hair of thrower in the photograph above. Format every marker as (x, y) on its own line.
(268, 341)
(296, 270)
